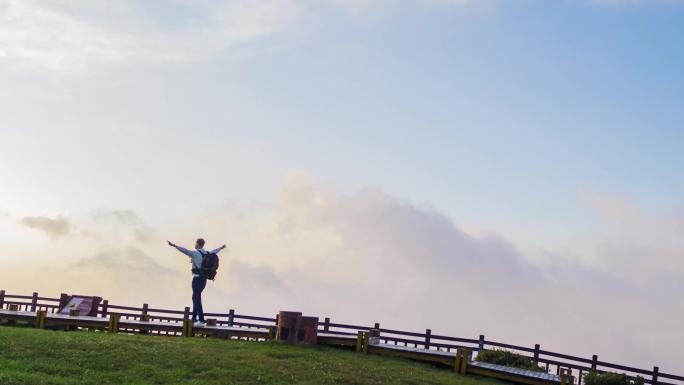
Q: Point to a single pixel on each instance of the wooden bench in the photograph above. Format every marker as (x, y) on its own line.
(233, 331)
(462, 363)
(338, 340)
(425, 355)
(15, 315)
(521, 376)
(52, 319)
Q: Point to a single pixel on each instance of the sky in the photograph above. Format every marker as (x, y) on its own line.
(363, 160)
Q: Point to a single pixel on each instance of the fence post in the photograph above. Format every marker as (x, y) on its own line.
(63, 298)
(2, 299)
(536, 354)
(428, 334)
(105, 307)
(377, 325)
(144, 317)
(594, 362)
(654, 380)
(326, 324)
(186, 313)
(34, 301)
(480, 344)
(231, 317)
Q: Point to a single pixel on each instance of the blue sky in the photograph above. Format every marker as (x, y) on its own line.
(555, 126)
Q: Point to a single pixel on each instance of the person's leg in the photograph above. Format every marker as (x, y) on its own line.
(196, 298)
(200, 286)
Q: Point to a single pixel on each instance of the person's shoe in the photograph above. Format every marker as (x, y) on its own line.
(199, 324)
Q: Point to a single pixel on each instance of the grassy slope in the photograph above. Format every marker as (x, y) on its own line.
(30, 356)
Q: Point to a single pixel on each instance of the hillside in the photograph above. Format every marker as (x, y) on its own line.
(30, 356)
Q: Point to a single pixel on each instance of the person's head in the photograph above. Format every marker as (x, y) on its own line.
(199, 243)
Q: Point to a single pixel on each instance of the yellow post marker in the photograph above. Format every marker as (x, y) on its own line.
(461, 363)
(359, 341)
(113, 323)
(187, 328)
(40, 319)
(457, 362)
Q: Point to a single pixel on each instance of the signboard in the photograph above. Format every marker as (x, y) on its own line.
(84, 304)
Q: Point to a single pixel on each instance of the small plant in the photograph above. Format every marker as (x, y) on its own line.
(610, 378)
(508, 358)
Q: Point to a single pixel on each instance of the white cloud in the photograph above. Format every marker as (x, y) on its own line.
(613, 208)
(55, 228)
(73, 35)
(640, 245)
(122, 225)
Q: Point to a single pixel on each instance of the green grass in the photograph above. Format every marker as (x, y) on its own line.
(31, 356)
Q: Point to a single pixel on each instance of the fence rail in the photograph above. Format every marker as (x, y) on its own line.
(427, 340)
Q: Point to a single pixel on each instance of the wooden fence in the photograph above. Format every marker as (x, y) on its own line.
(554, 362)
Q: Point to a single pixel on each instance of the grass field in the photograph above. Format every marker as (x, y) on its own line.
(31, 356)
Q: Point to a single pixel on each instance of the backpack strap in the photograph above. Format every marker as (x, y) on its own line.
(197, 268)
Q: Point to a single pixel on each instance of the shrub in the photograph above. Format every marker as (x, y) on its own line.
(507, 358)
(610, 378)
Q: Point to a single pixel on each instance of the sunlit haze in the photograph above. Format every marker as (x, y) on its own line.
(496, 167)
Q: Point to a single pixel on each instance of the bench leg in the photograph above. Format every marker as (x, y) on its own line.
(566, 377)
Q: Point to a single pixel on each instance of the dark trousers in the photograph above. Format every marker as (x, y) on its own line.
(198, 285)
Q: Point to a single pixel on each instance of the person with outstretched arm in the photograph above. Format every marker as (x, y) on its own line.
(199, 282)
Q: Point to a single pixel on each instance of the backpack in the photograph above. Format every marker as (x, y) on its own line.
(210, 263)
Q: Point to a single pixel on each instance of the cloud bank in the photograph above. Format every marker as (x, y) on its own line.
(367, 257)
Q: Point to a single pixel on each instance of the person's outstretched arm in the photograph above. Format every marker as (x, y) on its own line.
(218, 249)
(180, 248)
